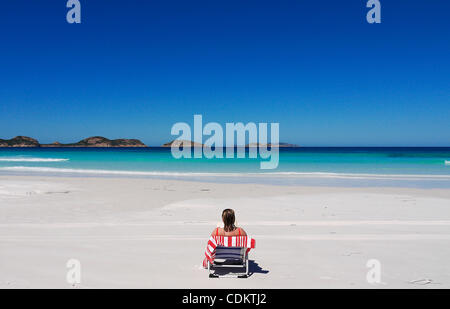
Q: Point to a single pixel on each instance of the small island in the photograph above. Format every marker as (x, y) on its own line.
(19, 141)
(182, 143)
(95, 141)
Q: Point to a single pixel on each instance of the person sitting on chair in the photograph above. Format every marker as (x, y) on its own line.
(229, 229)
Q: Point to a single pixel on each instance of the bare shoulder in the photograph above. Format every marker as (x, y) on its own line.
(243, 233)
(216, 232)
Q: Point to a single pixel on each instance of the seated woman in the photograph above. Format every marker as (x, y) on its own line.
(229, 229)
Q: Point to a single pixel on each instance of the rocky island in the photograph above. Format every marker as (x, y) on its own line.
(19, 141)
(95, 141)
(182, 143)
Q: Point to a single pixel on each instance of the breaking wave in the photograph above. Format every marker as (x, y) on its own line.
(20, 159)
(53, 170)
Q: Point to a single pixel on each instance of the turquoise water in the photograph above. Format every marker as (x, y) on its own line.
(420, 166)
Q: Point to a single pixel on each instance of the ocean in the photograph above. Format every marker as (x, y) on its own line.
(427, 167)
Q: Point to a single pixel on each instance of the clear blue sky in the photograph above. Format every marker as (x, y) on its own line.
(133, 68)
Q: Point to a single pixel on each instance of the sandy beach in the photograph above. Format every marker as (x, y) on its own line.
(148, 233)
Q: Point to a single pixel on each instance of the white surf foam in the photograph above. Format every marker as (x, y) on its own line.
(53, 170)
(20, 159)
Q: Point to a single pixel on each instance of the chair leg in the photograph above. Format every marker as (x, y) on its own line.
(246, 269)
(211, 275)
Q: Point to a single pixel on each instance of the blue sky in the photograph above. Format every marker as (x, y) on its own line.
(134, 68)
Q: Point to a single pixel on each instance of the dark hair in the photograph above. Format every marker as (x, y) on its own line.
(228, 220)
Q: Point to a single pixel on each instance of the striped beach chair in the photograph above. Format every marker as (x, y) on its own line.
(227, 252)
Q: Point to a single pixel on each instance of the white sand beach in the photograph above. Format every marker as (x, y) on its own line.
(148, 233)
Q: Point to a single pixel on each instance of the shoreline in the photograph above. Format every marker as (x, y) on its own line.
(317, 179)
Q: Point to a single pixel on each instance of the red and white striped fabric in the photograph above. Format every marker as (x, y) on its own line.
(226, 241)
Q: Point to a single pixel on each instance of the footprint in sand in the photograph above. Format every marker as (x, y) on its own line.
(352, 253)
(421, 281)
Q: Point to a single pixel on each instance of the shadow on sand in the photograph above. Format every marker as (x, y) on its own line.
(253, 268)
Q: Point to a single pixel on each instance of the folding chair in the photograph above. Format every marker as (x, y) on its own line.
(229, 257)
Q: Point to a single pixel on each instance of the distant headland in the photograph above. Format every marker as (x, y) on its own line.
(95, 141)
(186, 143)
